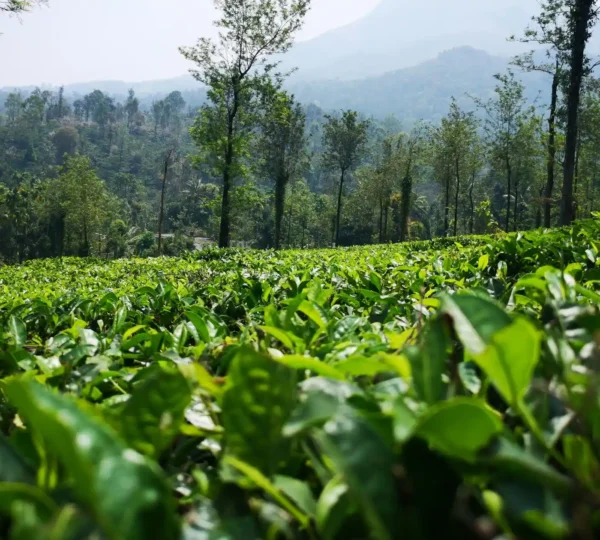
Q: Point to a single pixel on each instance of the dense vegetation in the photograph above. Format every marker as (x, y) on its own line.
(439, 384)
(253, 167)
(427, 390)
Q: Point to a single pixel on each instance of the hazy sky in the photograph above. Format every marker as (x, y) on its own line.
(130, 40)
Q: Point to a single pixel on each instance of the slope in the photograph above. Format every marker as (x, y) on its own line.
(401, 33)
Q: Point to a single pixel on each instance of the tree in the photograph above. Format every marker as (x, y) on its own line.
(381, 184)
(13, 106)
(132, 106)
(408, 152)
(84, 200)
(282, 147)
(453, 145)
(581, 18)
(345, 142)
(161, 216)
(65, 141)
(504, 116)
(550, 32)
(234, 70)
(19, 6)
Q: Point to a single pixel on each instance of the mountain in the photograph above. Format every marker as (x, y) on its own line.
(144, 89)
(420, 92)
(402, 33)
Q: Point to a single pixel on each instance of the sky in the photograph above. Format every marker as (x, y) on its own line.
(131, 40)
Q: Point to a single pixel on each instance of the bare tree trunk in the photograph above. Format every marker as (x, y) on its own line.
(447, 205)
(508, 190)
(381, 220)
(457, 197)
(582, 14)
(540, 208)
(121, 153)
(161, 215)
(516, 211)
(339, 209)
(472, 205)
(225, 227)
(386, 213)
(576, 179)
(405, 206)
(551, 150)
(280, 185)
(289, 232)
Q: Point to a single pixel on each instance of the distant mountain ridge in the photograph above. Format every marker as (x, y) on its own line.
(420, 92)
(143, 89)
(403, 33)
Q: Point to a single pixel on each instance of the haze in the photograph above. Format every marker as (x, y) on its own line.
(131, 40)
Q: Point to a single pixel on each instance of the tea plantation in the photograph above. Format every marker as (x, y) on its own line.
(424, 391)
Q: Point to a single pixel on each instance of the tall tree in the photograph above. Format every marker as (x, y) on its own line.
(282, 147)
(161, 214)
(132, 106)
(83, 198)
(409, 149)
(234, 70)
(550, 32)
(345, 142)
(582, 17)
(504, 116)
(454, 140)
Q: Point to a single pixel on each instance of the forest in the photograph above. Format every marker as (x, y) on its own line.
(255, 168)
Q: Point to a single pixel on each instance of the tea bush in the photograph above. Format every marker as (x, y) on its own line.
(432, 390)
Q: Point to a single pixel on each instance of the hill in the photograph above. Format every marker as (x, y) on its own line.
(418, 92)
(402, 33)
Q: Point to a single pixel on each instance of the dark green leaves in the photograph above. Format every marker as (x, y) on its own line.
(510, 359)
(475, 319)
(365, 463)
(127, 494)
(428, 362)
(152, 416)
(459, 428)
(18, 331)
(258, 399)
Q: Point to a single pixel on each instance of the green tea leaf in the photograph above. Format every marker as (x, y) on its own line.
(314, 410)
(297, 491)
(360, 457)
(18, 331)
(332, 508)
(476, 320)
(428, 362)
(153, 414)
(14, 493)
(261, 481)
(126, 493)
(258, 399)
(510, 359)
(12, 467)
(478, 425)
(310, 364)
(314, 312)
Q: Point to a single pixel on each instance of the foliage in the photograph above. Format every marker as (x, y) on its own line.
(236, 70)
(443, 389)
(19, 6)
(345, 142)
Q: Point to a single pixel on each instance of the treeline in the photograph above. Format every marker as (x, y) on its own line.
(255, 168)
